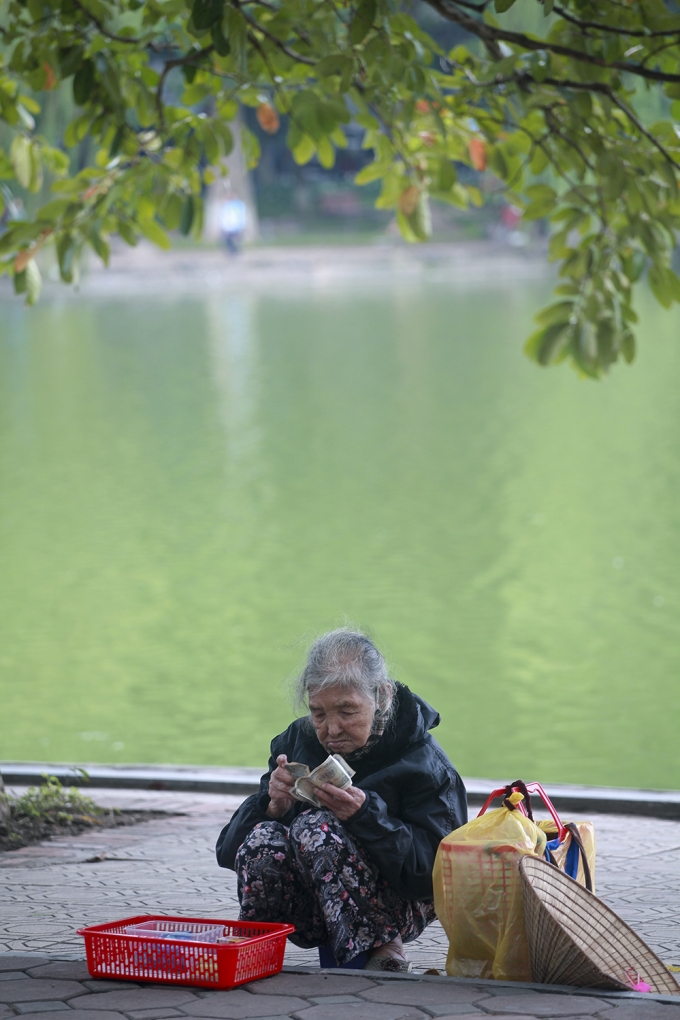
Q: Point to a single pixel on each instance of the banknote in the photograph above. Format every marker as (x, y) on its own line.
(333, 770)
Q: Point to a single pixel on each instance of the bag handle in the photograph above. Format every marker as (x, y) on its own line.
(576, 836)
(526, 789)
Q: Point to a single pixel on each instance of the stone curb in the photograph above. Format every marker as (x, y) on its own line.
(598, 993)
(244, 781)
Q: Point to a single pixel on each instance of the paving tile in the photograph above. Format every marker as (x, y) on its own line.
(366, 1011)
(475, 1016)
(310, 984)
(332, 1000)
(454, 1009)
(638, 1009)
(136, 998)
(544, 1004)
(152, 1014)
(49, 1006)
(239, 1004)
(425, 993)
(110, 985)
(13, 961)
(32, 989)
(70, 970)
(84, 1015)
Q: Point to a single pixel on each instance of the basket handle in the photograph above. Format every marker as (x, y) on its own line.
(526, 789)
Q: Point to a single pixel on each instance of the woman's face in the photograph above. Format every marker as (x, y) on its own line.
(342, 718)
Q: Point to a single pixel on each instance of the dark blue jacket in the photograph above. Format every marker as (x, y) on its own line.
(414, 796)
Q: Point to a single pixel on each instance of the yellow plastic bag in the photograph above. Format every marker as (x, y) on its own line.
(478, 894)
(477, 885)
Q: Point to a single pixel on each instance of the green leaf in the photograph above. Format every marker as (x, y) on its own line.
(557, 245)
(362, 22)
(127, 233)
(612, 173)
(503, 5)
(372, 172)
(547, 345)
(634, 264)
(540, 193)
(561, 312)
(171, 210)
(539, 161)
(205, 13)
(100, 246)
(66, 250)
(221, 44)
(117, 141)
(83, 82)
(304, 150)
(56, 161)
(154, 232)
(628, 346)
(69, 60)
(336, 63)
(187, 217)
(51, 212)
(251, 148)
(446, 177)
(22, 161)
(419, 222)
(77, 129)
(33, 282)
(226, 138)
(539, 210)
(325, 153)
(661, 287)
(237, 33)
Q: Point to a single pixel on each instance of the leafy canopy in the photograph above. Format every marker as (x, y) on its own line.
(553, 117)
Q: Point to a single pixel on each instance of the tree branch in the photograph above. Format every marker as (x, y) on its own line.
(188, 58)
(491, 36)
(643, 130)
(599, 27)
(104, 31)
(278, 42)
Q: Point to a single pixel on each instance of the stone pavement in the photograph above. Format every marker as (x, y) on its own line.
(34, 988)
(168, 866)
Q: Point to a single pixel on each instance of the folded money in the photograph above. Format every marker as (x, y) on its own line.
(333, 770)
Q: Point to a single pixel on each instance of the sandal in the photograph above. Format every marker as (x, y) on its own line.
(389, 963)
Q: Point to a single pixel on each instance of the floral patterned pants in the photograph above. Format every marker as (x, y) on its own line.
(316, 876)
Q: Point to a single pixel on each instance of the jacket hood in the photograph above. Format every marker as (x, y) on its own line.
(408, 728)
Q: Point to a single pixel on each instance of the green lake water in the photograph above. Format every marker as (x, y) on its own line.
(192, 488)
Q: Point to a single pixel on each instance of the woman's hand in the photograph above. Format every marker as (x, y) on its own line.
(343, 803)
(281, 783)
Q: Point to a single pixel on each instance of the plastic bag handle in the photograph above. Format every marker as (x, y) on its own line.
(530, 788)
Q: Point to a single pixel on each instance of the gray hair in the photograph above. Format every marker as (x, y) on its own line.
(349, 659)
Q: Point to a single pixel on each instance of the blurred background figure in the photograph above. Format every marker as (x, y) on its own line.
(233, 220)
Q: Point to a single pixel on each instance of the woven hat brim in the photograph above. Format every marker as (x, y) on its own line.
(576, 939)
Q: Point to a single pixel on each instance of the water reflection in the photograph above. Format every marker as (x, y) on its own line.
(191, 488)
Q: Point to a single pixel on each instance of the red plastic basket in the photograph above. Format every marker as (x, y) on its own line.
(112, 953)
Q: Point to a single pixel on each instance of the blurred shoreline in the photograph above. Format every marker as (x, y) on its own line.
(146, 270)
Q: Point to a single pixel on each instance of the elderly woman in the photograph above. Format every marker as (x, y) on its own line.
(356, 875)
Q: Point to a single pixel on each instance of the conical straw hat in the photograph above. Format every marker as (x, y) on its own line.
(574, 939)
